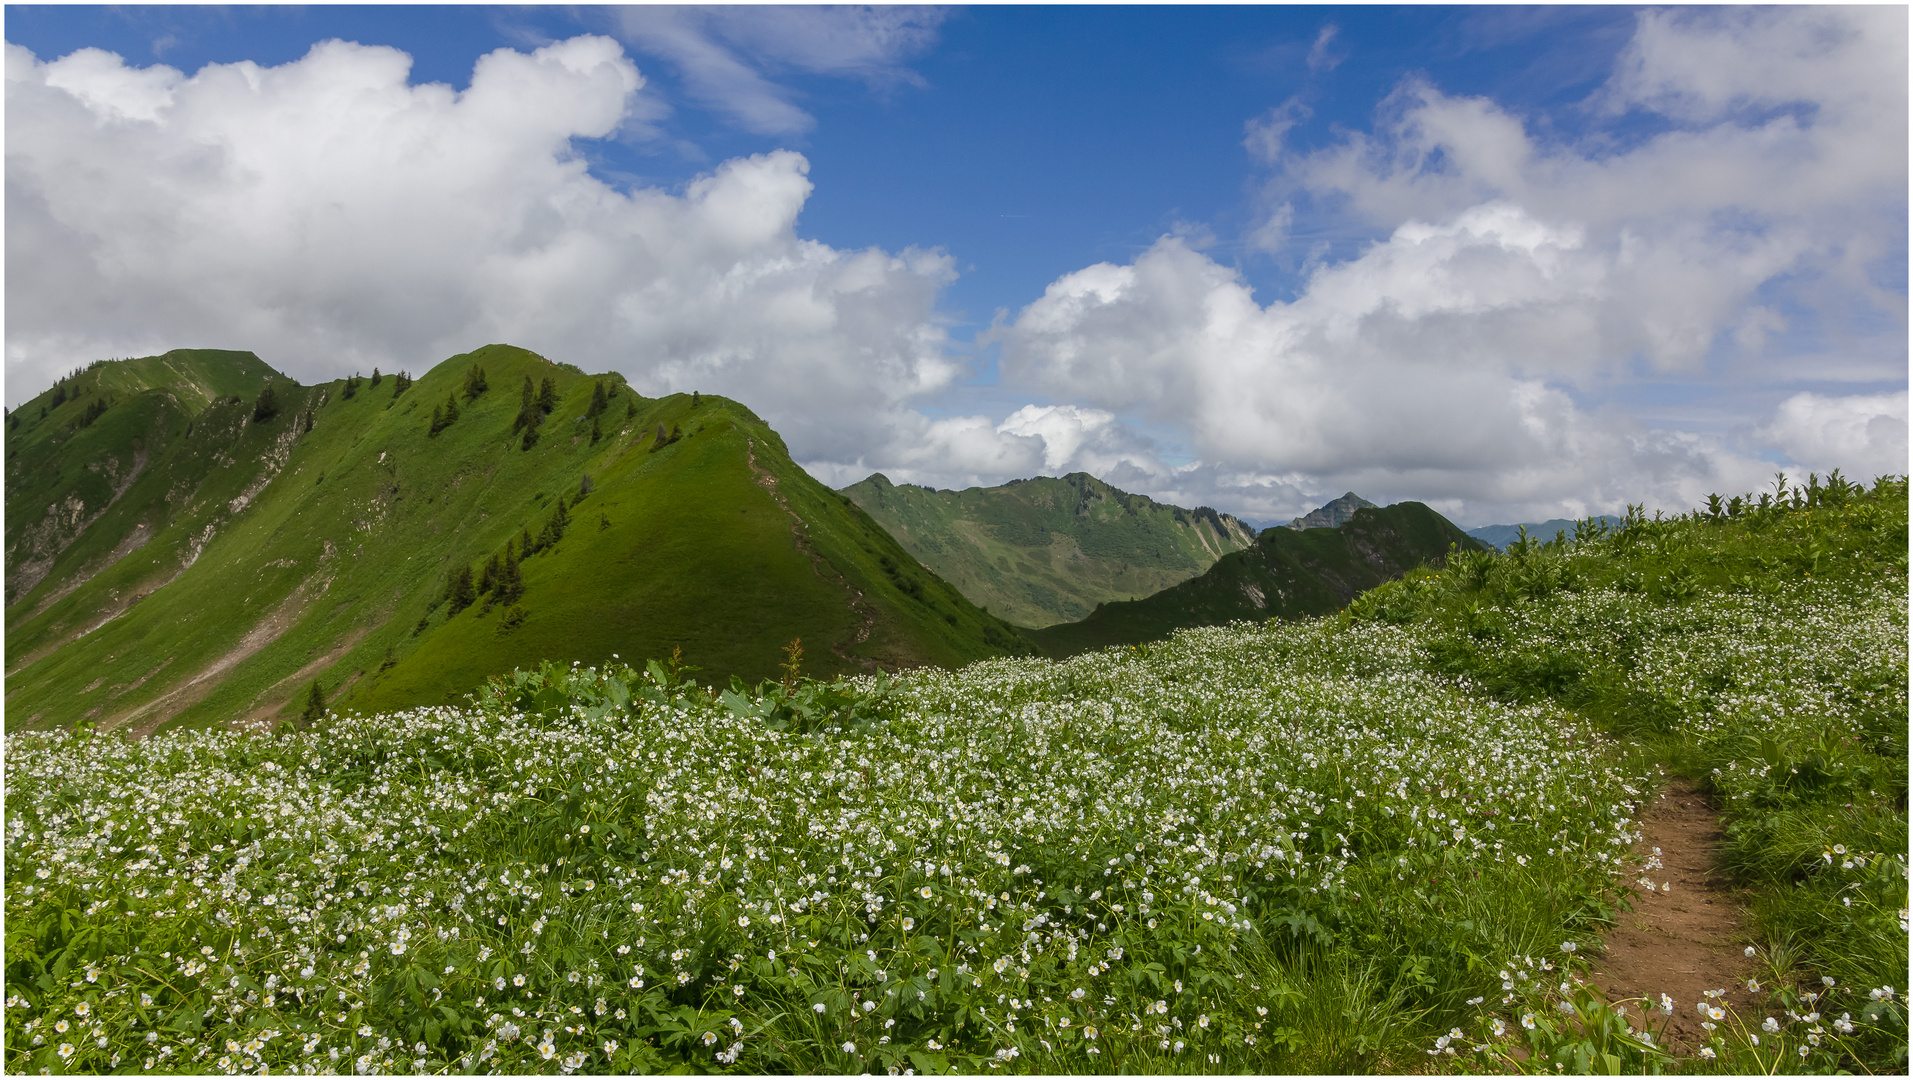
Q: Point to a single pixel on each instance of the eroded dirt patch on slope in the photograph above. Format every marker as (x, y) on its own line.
(799, 534)
(144, 720)
(1687, 938)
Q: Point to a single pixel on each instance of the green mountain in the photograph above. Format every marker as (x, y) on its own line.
(178, 554)
(1288, 573)
(1045, 551)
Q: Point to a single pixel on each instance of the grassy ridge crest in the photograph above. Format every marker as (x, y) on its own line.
(251, 554)
(1287, 574)
(1049, 549)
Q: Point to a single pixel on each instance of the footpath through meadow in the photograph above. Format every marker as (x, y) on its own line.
(1686, 934)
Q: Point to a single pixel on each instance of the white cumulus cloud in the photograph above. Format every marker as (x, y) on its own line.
(330, 215)
(1862, 434)
(1518, 281)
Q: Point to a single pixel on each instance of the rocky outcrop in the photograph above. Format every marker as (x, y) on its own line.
(1332, 515)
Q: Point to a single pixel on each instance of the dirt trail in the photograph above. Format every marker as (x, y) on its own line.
(859, 607)
(1687, 939)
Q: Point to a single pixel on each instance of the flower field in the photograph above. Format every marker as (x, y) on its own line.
(1295, 847)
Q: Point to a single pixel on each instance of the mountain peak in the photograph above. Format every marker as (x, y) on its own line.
(1332, 514)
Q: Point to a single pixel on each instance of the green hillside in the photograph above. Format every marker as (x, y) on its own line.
(182, 560)
(1288, 574)
(84, 447)
(1048, 550)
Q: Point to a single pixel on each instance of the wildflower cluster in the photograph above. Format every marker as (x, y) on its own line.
(1293, 847)
(1090, 865)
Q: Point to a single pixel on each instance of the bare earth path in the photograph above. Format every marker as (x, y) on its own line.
(1688, 939)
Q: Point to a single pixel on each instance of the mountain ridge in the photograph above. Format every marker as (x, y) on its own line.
(1044, 550)
(1288, 574)
(1500, 536)
(249, 555)
(1332, 514)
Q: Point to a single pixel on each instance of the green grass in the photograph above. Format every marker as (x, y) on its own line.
(341, 539)
(1048, 550)
(1759, 648)
(1287, 574)
(59, 462)
(1383, 841)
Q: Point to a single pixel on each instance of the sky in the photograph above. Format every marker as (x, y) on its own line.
(1516, 263)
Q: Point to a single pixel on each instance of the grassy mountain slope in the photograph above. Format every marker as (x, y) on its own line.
(77, 486)
(270, 556)
(1048, 550)
(1289, 573)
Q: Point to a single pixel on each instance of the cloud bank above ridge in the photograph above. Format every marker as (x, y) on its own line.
(331, 216)
(1455, 358)
(1720, 227)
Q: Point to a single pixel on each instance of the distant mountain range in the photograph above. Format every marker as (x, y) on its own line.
(1500, 536)
(1048, 550)
(195, 538)
(1288, 573)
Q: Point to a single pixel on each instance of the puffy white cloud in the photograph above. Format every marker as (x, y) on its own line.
(1516, 280)
(1862, 434)
(1395, 374)
(330, 215)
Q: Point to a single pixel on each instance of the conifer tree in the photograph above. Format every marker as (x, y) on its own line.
(59, 393)
(695, 400)
(351, 385)
(547, 396)
(475, 383)
(488, 578)
(630, 410)
(598, 400)
(512, 585)
(266, 406)
(676, 432)
(376, 376)
(445, 418)
(528, 413)
(400, 384)
(315, 704)
(308, 420)
(461, 594)
(596, 432)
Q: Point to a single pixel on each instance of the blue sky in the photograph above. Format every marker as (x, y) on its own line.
(1508, 261)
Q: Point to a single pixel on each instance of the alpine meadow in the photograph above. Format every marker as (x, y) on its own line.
(1387, 839)
(1055, 540)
